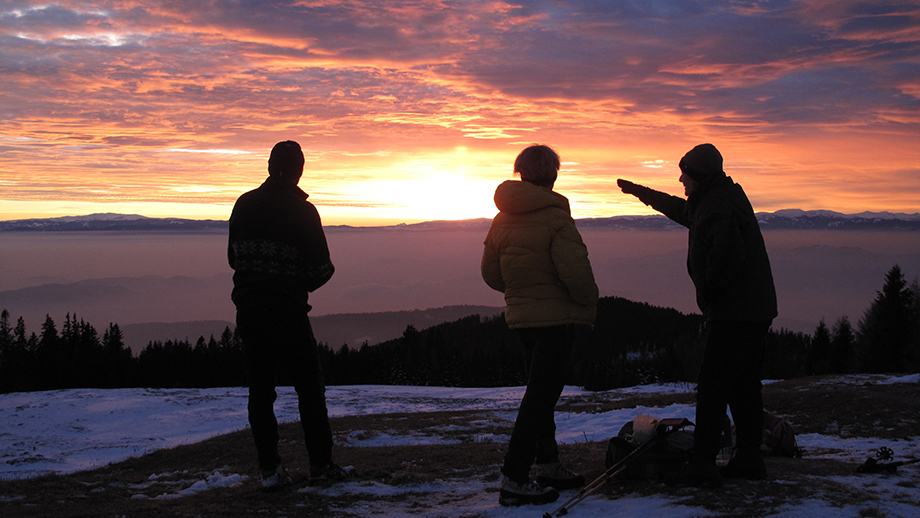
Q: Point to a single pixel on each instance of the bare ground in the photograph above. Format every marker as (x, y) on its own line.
(814, 405)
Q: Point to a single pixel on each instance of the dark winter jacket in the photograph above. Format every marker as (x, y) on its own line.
(535, 256)
(277, 247)
(726, 258)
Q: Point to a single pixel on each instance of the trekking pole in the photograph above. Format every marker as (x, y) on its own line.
(664, 426)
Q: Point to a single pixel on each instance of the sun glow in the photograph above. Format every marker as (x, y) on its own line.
(434, 195)
(416, 113)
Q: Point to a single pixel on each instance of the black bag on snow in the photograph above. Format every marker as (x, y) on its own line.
(667, 456)
(779, 437)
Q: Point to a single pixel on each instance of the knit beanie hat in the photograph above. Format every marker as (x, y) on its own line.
(286, 157)
(702, 162)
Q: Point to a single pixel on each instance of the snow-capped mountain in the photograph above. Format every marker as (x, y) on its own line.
(787, 219)
(825, 219)
(110, 221)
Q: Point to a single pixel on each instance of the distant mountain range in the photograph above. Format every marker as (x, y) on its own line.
(112, 222)
(789, 219)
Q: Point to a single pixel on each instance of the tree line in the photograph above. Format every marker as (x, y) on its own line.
(78, 358)
(631, 343)
(886, 339)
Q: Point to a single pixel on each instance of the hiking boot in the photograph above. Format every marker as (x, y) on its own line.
(275, 479)
(554, 475)
(330, 473)
(745, 464)
(523, 493)
(697, 472)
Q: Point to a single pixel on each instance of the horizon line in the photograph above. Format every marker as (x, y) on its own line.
(134, 217)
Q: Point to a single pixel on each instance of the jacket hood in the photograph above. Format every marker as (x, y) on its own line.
(517, 196)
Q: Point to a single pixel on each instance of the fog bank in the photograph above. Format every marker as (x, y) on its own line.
(129, 278)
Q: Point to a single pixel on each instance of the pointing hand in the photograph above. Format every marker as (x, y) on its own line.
(629, 187)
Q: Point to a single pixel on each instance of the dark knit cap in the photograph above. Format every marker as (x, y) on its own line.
(286, 157)
(702, 162)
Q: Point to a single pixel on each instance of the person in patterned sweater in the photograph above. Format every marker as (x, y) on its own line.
(279, 255)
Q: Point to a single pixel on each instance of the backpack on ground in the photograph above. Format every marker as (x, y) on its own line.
(667, 456)
(778, 437)
(650, 432)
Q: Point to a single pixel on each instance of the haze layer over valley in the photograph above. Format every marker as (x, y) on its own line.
(135, 277)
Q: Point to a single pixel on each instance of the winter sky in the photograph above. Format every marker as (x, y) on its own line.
(415, 110)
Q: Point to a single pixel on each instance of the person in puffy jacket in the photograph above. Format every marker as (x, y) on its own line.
(535, 256)
(728, 263)
(279, 255)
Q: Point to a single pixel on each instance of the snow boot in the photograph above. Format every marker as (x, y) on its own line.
(523, 493)
(275, 479)
(746, 464)
(554, 475)
(330, 473)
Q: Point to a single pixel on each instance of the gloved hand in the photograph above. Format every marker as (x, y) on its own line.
(639, 191)
(629, 187)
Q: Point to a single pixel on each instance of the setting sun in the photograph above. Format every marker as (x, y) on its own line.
(416, 112)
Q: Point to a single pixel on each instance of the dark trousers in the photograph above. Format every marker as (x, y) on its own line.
(282, 338)
(533, 439)
(730, 376)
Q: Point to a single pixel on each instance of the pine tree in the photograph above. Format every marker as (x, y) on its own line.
(17, 367)
(817, 359)
(889, 330)
(7, 356)
(117, 358)
(48, 357)
(843, 347)
(6, 332)
(88, 369)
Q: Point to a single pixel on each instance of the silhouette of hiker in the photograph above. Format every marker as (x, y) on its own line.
(536, 257)
(728, 263)
(279, 255)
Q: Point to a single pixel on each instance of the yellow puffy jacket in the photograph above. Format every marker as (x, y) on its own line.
(536, 257)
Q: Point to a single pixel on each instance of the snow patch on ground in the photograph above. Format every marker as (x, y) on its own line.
(183, 486)
(71, 430)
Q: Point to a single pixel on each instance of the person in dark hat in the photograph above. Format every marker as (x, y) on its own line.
(279, 255)
(728, 263)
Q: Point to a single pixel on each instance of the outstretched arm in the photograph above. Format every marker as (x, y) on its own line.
(673, 207)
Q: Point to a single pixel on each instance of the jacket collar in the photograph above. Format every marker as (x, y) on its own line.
(278, 184)
(702, 190)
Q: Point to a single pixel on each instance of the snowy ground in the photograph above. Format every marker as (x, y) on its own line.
(72, 430)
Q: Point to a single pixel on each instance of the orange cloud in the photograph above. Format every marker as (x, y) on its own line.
(168, 105)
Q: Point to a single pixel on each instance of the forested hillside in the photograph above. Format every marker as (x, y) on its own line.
(631, 343)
